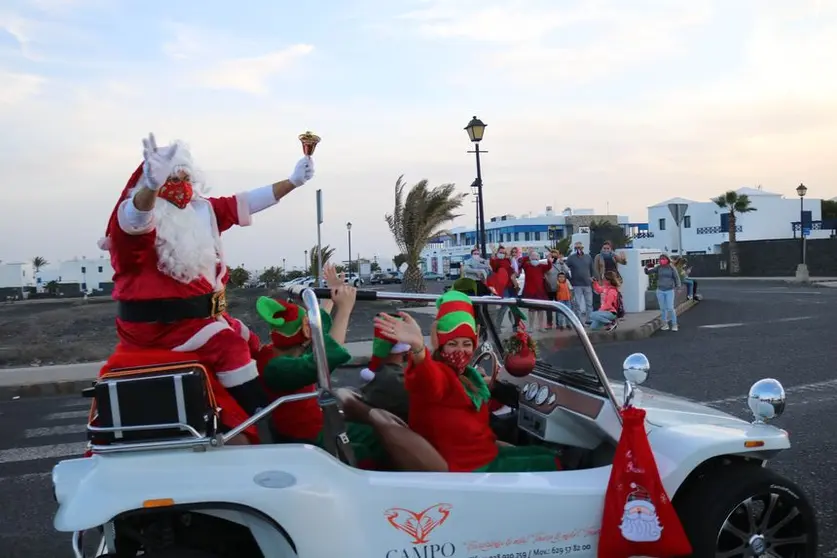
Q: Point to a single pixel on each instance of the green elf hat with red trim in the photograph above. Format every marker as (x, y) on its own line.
(382, 347)
(455, 317)
(285, 320)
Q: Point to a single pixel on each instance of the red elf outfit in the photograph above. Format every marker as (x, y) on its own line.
(449, 402)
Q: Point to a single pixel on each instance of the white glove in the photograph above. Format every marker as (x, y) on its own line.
(303, 172)
(158, 162)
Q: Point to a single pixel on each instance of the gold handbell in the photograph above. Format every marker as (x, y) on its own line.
(309, 142)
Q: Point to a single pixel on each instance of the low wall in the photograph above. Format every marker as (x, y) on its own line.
(770, 258)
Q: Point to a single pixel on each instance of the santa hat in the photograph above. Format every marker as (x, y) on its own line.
(182, 161)
(455, 317)
(285, 319)
(639, 498)
(382, 347)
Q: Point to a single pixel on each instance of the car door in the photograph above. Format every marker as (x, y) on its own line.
(479, 515)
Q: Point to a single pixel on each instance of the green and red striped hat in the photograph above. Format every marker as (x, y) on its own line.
(285, 319)
(382, 347)
(455, 317)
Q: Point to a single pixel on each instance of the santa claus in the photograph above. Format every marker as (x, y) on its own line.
(164, 239)
(639, 520)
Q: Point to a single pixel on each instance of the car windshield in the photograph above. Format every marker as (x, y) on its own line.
(562, 354)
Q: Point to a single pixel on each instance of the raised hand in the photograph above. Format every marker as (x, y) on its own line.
(344, 297)
(303, 171)
(157, 165)
(332, 278)
(405, 330)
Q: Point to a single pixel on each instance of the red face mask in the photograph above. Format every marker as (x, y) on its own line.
(176, 191)
(458, 360)
(663, 261)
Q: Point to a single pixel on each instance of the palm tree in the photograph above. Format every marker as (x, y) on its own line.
(417, 219)
(313, 269)
(734, 203)
(39, 262)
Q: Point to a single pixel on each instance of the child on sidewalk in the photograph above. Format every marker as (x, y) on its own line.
(564, 295)
(606, 315)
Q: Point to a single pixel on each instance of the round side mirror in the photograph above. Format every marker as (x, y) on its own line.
(766, 400)
(636, 368)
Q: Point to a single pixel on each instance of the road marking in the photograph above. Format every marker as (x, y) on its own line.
(28, 477)
(14, 455)
(779, 290)
(55, 430)
(719, 326)
(796, 319)
(68, 415)
(802, 388)
(739, 324)
(80, 402)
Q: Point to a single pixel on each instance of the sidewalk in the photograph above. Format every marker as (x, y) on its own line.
(69, 379)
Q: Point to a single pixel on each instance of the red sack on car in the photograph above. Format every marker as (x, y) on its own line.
(639, 519)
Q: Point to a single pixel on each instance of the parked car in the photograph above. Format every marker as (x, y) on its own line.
(392, 278)
(156, 492)
(353, 279)
(431, 276)
(307, 281)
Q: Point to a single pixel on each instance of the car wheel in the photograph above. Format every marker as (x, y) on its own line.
(357, 283)
(747, 511)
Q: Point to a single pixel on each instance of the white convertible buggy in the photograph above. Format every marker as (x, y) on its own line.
(176, 489)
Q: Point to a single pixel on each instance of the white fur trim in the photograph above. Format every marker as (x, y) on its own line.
(367, 375)
(239, 376)
(245, 331)
(104, 243)
(132, 220)
(399, 348)
(222, 268)
(245, 219)
(203, 336)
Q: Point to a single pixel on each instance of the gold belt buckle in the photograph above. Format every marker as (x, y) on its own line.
(219, 303)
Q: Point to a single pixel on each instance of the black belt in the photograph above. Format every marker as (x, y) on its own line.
(170, 310)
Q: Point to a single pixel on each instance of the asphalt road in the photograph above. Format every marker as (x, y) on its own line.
(742, 332)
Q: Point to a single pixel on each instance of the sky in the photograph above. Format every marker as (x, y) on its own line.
(589, 104)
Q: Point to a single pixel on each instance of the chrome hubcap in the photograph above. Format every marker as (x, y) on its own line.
(764, 526)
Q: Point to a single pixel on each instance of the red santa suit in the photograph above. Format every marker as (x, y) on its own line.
(169, 280)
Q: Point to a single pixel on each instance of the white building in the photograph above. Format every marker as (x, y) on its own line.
(704, 227)
(528, 231)
(17, 275)
(89, 273)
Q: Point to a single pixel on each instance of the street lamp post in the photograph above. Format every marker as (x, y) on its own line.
(802, 268)
(305, 266)
(801, 190)
(349, 231)
(476, 130)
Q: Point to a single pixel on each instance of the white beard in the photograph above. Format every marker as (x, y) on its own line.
(186, 246)
(641, 528)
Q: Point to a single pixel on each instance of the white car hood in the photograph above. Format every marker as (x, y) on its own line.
(668, 410)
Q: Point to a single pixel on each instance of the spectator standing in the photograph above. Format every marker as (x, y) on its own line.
(476, 267)
(558, 266)
(668, 281)
(608, 260)
(497, 262)
(564, 296)
(534, 287)
(581, 278)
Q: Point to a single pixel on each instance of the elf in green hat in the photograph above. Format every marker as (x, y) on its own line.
(384, 377)
(449, 398)
(287, 366)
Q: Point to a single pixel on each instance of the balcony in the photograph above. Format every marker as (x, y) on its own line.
(718, 230)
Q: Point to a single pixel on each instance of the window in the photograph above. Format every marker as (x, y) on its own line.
(687, 222)
(100, 269)
(83, 269)
(525, 236)
(662, 224)
(537, 235)
(725, 222)
(516, 237)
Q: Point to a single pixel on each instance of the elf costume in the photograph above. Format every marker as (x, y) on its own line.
(449, 402)
(385, 380)
(302, 421)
